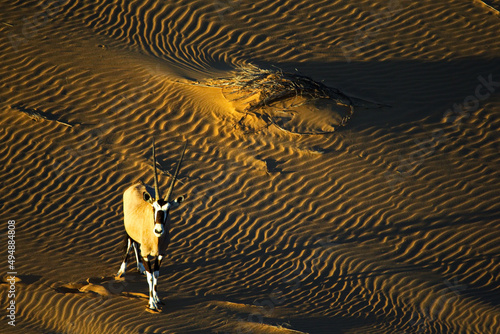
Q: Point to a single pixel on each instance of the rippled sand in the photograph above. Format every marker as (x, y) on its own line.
(388, 225)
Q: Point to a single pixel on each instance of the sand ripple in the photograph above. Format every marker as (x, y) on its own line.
(388, 226)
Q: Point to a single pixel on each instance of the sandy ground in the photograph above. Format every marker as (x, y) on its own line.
(388, 225)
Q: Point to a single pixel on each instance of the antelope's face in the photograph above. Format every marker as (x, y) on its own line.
(160, 212)
(160, 209)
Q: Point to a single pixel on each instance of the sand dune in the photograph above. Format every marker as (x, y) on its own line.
(387, 225)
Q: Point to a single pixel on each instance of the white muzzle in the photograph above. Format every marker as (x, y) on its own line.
(158, 230)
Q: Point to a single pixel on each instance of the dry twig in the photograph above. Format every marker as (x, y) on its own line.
(38, 115)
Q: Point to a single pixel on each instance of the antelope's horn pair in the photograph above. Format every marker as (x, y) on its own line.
(174, 178)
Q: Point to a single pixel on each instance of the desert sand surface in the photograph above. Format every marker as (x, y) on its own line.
(291, 224)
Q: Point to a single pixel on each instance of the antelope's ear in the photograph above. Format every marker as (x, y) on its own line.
(180, 199)
(147, 197)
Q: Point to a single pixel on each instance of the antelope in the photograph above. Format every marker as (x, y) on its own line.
(147, 227)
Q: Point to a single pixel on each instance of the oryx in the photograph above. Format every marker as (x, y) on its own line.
(147, 227)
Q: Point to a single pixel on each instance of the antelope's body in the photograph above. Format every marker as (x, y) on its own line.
(147, 226)
(138, 218)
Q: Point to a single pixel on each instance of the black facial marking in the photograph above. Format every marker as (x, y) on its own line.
(160, 218)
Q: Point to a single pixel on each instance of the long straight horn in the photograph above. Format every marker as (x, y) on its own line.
(167, 198)
(157, 190)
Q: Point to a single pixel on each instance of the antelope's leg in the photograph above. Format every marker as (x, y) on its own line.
(156, 274)
(123, 266)
(140, 266)
(149, 275)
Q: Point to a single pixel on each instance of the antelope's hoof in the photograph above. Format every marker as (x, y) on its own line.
(153, 310)
(120, 278)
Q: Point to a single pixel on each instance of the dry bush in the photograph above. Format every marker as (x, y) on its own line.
(271, 89)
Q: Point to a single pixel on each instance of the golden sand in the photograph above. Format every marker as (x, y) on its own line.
(389, 224)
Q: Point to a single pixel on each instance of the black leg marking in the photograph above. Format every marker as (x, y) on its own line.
(138, 257)
(128, 245)
(123, 266)
(157, 264)
(147, 265)
(149, 275)
(156, 274)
